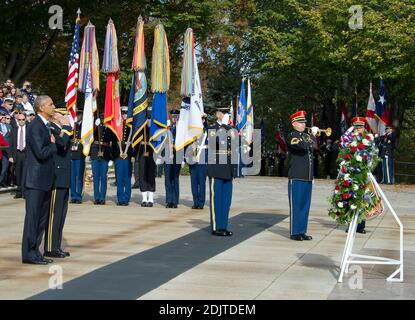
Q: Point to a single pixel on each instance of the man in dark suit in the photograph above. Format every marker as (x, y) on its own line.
(39, 180)
(17, 152)
(62, 132)
(221, 170)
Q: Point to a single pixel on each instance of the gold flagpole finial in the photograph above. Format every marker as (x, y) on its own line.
(78, 18)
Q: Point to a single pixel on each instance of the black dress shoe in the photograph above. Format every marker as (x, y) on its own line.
(66, 253)
(150, 204)
(54, 254)
(102, 202)
(119, 204)
(307, 237)
(228, 233)
(144, 204)
(363, 231)
(73, 201)
(195, 207)
(41, 262)
(174, 206)
(46, 260)
(169, 205)
(18, 196)
(297, 237)
(78, 201)
(97, 202)
(219, 233)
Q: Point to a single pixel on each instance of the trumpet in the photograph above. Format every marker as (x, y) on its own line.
(327, 131)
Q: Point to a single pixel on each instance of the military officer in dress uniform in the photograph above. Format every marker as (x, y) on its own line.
(62, 131)
(101, 154)
(122, 153)
(197, 167)
(172, 168)
(146, 166)
(78, 161)
(221, 170)
(387, 153)
(300, 175)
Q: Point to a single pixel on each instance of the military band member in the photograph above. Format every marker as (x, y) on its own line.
(147, 166)
(78, 162)
(387, 153)
(62, 132)
(221, 170)
(123, 153)
(197, 169)
(172, 168)
(101, 154)
(300, 175)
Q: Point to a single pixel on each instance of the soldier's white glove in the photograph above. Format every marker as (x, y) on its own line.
(314, 131)
(98, 122)
(225, 119)
(168, 123)
(183, 164)
(158, 161)
(110, 163)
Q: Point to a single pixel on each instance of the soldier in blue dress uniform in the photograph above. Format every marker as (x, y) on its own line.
(101, 154)
(172, 168)
(221, 170)
(197, 167)
(300, 147)
(62, 132)
(122, 153)
(387, 153)
(78, 161)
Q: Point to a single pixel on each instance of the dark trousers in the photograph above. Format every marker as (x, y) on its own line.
(123, 180)
(77, 178)
(147, 174)
(3, 168)
(220, 202)
(99, 173)
(198, 181)
(299, 196)
(136, 173)
(20, 167)
(172, 173)
(56, 219)
(387, 170)
(37, 208)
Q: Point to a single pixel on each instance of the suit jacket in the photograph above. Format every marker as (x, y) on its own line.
(39, 156)
(62, 158)
(14, 143)
(222, 157)
(300, 152)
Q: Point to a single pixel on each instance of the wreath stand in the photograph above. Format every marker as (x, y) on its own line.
(349, 257)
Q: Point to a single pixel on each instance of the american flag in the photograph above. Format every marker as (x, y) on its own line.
(72, 81)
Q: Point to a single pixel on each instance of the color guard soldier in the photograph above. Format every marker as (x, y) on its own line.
(197, 167)
(300, 175)
(221, 170)
(122, 153)
(146, 166)
(78, 161)
(62, 132)
(172, 168)
(100, 155)
(387, 153)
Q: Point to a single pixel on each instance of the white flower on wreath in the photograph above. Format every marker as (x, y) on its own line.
(342, 163)
(355, 187)
(353, 207)
(370, 136)
(336, 191)
(354, 144)
(340, 204)
(365, 142)
(346, 176)
(359, 158)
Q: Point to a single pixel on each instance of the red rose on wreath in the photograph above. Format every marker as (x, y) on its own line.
(345, 196)
(346, 183)
(361, 146)
(344, 169)
(368, 138)
(354, 149)
(337, 188)
(348, 156)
